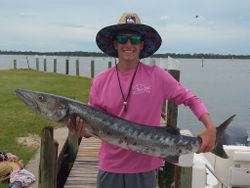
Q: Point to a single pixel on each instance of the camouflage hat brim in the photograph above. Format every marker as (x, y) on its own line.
(151, 38)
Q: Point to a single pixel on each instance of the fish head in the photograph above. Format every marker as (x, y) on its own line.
(47, 105)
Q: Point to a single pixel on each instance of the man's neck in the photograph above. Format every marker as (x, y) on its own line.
(127, 65)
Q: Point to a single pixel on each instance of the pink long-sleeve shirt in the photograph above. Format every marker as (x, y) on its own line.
(152, 85)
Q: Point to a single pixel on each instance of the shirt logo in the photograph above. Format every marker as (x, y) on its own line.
(140, 89)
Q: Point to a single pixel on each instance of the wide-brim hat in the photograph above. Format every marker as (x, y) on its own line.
(129, 22)
(6, 167)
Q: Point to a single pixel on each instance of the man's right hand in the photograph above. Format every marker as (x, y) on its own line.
(79, 129)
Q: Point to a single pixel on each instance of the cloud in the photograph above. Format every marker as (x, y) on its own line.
(50, 32)
(164, 18)
(64, 24)
(44, 37)
(191, 32)
(191, 38)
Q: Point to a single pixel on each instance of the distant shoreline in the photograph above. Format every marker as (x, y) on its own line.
(98, 54)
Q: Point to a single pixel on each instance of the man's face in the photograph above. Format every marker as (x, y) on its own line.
(128, 46)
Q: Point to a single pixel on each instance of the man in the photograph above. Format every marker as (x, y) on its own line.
(135, 92)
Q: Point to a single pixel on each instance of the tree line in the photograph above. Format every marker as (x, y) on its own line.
(99, 54)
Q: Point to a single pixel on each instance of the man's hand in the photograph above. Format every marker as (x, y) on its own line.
(208, 140)
(208, 136)
(79, 129)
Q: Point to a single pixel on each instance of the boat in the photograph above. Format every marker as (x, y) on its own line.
(215, 172)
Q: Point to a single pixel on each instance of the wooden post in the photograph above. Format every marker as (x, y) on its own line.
(171, 174)
(55, 65)
(48, 160)
(73, 144)
(109, 64)
(92, 69)
(14, 64)
(67, 67)
(172, 108)
(27, 61)
(172, 114)
(152, 61)
(37, 64)
(166, 175)
(77, 67)
(44, 64)
(163, 64)
(182, 176)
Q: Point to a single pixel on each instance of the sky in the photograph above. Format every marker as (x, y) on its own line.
(186, 26)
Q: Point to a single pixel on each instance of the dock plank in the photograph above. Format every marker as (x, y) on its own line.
(84, 171)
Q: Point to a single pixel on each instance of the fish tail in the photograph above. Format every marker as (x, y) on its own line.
(218, 149)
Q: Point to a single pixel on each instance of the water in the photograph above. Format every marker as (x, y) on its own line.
(23, 61)
(221, 83)
(224, 87)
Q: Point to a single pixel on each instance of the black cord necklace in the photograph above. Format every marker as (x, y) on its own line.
(125, 99)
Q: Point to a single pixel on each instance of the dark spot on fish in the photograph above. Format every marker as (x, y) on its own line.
(134, 144)
(176, 141)
(188, 147)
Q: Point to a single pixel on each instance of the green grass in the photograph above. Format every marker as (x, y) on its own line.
(17, 120)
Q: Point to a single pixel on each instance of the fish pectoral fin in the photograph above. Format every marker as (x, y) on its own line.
(94, 135)
(174, 159)
(73, 119)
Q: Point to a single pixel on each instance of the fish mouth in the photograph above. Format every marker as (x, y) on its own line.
(26, 96)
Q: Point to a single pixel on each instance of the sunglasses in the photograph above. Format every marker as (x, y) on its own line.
(123, 39)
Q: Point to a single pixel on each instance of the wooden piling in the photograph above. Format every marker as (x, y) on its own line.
(172, 108)
(172, 175)
(44, 65)
(182, 176)
(109, 64)
(48, 160)
(14, 64)
(73, 143)
(55, 65)
(172, 114)
(77, 67)
(92, 69)
(27, 61)
(67, 67)
(166, 176)
(37, 64)
(152, 62)
(167, 173)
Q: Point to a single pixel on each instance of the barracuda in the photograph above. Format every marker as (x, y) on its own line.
(166, 143)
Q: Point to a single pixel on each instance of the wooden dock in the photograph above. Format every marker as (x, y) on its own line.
(84, 171)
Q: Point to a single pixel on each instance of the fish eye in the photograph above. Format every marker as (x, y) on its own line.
(41, 98)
